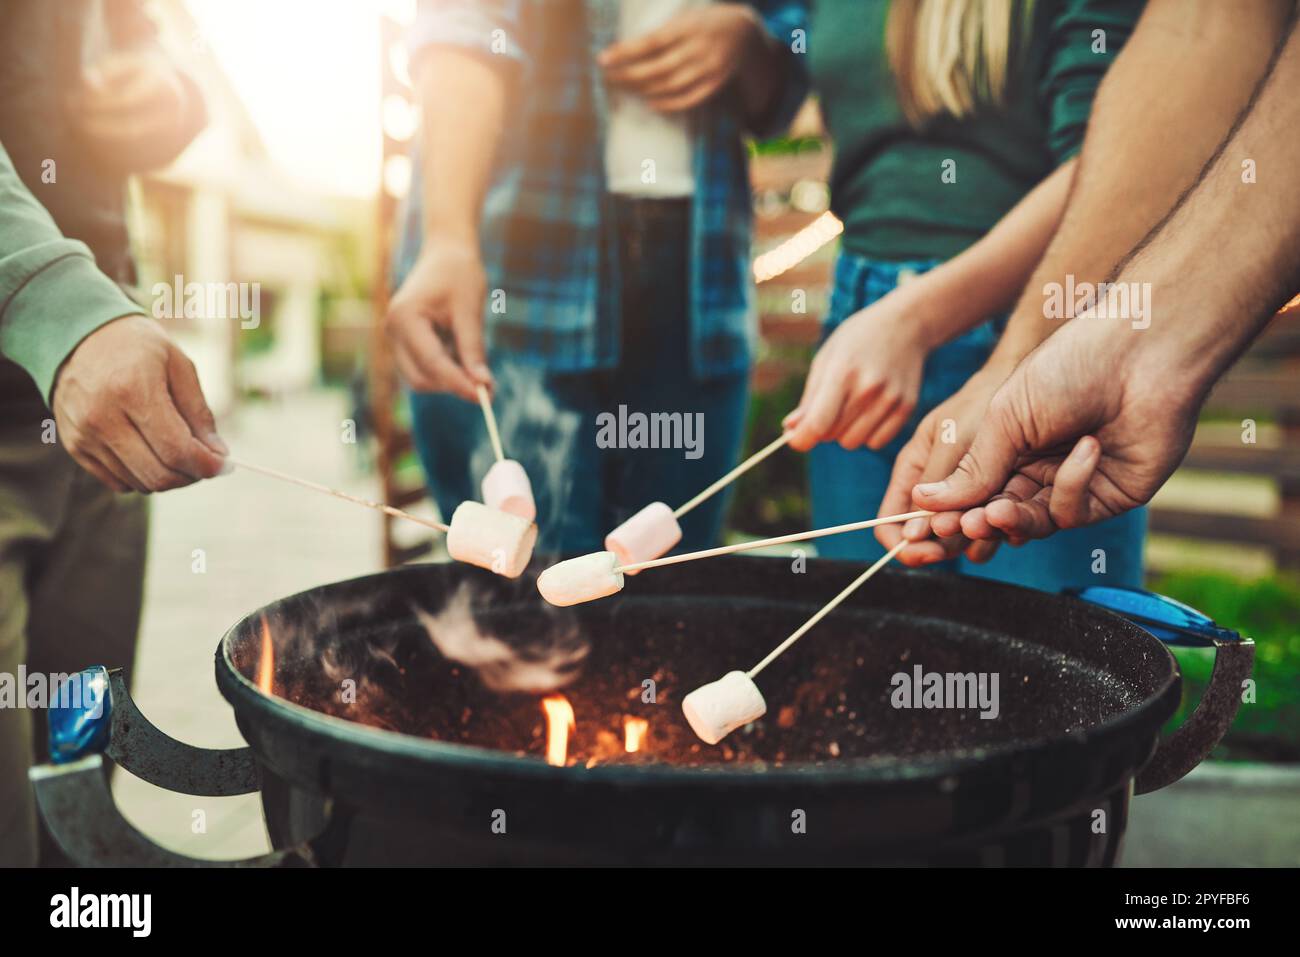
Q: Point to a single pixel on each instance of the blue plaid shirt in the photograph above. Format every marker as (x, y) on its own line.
(547, 234)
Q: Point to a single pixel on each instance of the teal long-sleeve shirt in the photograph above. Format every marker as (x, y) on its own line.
(52, 295)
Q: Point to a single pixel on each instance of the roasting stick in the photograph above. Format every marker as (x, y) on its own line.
(735, 473)
(655, 531)
(720, 707)
(317, 487)
(485, 403)
(829, 607)
(779, 540)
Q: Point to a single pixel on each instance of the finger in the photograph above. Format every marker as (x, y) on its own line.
(890, 426)
(1069, 496)
(666, 73)
(1020, 521)
(620, 54)
(819, 414)
(984, 469)
(862, 417)
(946, 524)
(172, 443)
(150, 472)
(427, 358)
(981, 552)
(111, 463)
(187, 394)
(699, 92)
(467, 330)
(99, 470)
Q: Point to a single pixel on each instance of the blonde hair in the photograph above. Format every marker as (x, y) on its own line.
(948, 56)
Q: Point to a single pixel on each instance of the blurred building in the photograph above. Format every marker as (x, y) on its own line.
(226, 218)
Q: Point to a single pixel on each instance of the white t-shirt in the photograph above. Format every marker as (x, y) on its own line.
(648, 153)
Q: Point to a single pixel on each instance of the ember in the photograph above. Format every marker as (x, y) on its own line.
(559, 722)
(634, 731)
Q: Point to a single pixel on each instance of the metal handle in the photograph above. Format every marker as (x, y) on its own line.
(93, 715)
(1175, 623)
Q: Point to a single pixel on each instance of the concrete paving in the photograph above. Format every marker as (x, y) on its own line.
(221, 549)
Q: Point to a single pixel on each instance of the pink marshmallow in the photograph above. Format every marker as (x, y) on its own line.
(649, 533)
(506, 487)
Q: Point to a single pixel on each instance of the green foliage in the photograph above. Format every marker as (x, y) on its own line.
(1267, 610)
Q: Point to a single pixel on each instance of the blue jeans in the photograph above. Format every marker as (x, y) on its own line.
(848, 486)
(549, 420)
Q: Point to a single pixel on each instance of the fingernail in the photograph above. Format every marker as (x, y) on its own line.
(931, 488)
(226, 467)
(792, 418)
(915, 528)
(214, 442)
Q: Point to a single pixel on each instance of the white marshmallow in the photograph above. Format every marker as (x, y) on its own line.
(580, 579)
(491, 539)
(649, 533)
(506, 487)
(716, 709)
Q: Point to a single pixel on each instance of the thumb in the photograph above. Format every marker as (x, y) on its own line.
(187, 394)
(983, 470)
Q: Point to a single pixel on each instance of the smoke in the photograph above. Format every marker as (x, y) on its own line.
(541, 435)
(538, 664)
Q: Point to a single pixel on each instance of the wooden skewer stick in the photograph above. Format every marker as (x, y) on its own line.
(317, 487)
(829, 607)
(735, 473)
(490, 418)
(779, 540)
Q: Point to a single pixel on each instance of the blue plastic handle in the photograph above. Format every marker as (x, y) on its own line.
(81, 715)
(1168, 619)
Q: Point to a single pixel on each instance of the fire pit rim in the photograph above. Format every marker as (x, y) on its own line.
(1155, 709)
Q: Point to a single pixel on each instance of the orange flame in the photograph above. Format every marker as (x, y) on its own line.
(266, 666)
(559, 722)
(634, 732)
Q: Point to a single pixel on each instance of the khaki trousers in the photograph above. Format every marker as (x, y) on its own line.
(71, 584)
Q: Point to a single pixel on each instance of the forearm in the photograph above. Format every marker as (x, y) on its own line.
(51, 293)
(1225, 260)
(462, 97)
(984, 279)
(1158, 116)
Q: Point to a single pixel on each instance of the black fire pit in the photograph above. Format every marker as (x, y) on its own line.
(404, 723)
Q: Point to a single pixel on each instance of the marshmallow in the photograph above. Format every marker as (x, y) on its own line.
(649, 533)
(506, 487)
(716, 709)
(580, 579)
(491, 539)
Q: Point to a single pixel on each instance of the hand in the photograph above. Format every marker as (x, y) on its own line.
(441, 303)
(129, 410)
(1087, 427)
(131, 102)
(865, 379)
(933, 451)
(687, 60)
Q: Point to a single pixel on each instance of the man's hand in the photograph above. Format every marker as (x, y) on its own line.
(864, 381)
(933, 451)
(134, 109)
(1089, 426)
(435, 321)
(690, 58)
(129, 410)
